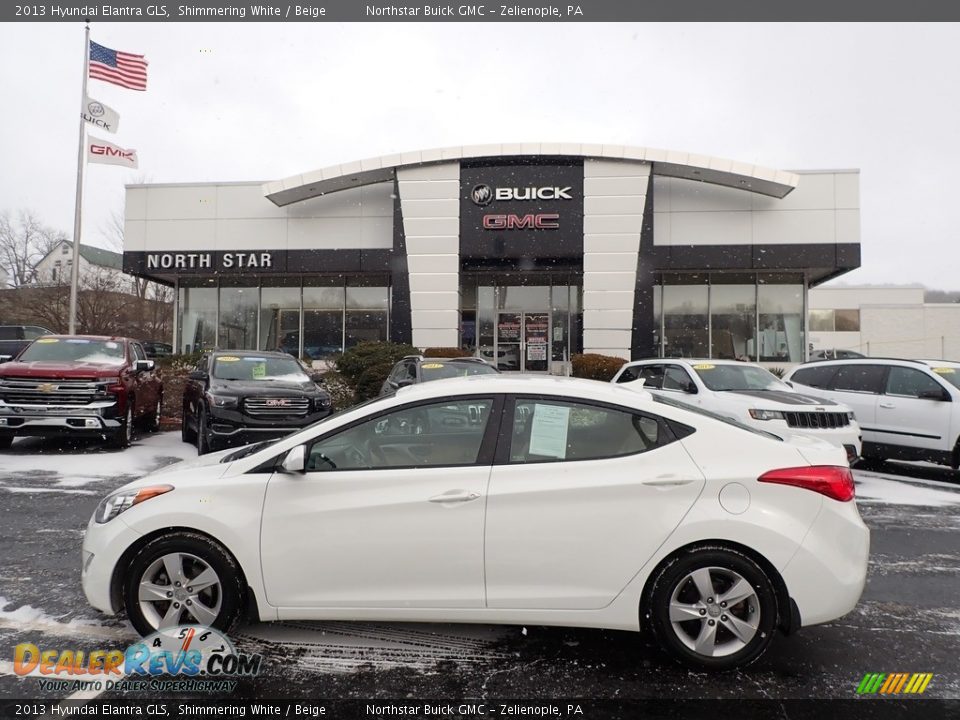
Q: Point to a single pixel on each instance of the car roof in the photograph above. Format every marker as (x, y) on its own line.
(109, 338)
(881, 361)
(525, 385)
(251, 353)
(691, 362)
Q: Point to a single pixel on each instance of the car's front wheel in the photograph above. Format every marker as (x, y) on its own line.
(183, 579)
(123, 435)
(713, 609)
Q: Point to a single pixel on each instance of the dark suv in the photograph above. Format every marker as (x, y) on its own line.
(234, 397)
(417, 369)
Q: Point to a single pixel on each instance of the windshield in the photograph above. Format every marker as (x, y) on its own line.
(104, 352)
(673, 402)
(737, 377)
(440, 370)
(258, 367)
(950, 374)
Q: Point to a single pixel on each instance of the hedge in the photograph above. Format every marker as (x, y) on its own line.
(596, 367)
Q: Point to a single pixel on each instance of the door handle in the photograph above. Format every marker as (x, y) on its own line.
(887, 405)
(668, 481)
(454, 496)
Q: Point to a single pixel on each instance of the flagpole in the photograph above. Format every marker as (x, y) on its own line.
(81, 158)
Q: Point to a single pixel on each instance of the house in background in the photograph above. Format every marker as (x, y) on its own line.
(99, 267)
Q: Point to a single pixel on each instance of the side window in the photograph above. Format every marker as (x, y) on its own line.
(399, 370)
(409, 372)
(551, 431)
(910, 382)
(859, 378)
(818, 376)
(629, 374)
(441, 434)
(138, 353)
(202, 364)
(676, 378)
(653, 375)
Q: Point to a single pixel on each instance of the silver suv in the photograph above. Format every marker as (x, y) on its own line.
(907, 409)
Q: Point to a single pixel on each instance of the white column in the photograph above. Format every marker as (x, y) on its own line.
(430, 204)
(614, 195)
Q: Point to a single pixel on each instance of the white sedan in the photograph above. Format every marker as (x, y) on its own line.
(749, 394)
(498, 499)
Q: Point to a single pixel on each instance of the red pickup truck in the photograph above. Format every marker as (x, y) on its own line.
(79, 385)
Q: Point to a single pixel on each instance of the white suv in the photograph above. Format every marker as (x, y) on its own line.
(747, 393)
(908, 409)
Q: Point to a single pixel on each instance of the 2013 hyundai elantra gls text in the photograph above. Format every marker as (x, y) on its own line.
(497, 499)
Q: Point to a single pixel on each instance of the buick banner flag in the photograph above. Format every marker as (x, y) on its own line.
(103, 116)
(100, 151)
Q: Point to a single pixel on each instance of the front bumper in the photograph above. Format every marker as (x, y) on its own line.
(846, 437)
(95, 418)
(827, 574)
(103, 546)
(229, 427)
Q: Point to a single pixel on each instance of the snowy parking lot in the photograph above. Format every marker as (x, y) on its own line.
(908, 619)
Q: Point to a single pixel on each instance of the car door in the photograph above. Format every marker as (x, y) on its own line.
(193, 391)
(144, 383)
(581, 496)
(858, 385)
(906, 417)
(389, 513)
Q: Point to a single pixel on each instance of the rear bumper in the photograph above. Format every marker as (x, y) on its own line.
(827, 574)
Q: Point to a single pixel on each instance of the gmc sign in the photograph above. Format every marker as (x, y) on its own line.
(530, 221)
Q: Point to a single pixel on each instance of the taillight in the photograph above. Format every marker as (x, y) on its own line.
(831, 480)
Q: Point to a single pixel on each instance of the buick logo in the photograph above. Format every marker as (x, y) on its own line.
(481, 194)
(95, 109)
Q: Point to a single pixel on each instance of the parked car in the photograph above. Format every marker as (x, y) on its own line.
(908, 409)
(748, 393)
(234, 397)
(79, 385)
(157, 350)
(598, 507)
(14, 338)
(834, 354)
(415, 369)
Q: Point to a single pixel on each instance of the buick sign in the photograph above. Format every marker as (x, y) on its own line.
(481, 195)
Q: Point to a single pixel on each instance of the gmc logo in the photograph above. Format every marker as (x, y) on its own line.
(539, 221)
(111, 152)
(276, 402)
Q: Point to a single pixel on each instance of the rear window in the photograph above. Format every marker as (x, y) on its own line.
(859, 378)
(818, 377)
(11, 333)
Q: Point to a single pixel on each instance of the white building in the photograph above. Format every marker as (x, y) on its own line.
(105, 266)
(883, 322)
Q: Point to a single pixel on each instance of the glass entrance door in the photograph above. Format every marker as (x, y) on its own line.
(522, 342)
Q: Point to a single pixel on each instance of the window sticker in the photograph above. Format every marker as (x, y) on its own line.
(255, 359)
(704, 366)
(548, 434)
(259, 371)
(228, 358)
(48, 340)
(432, 366)
(944, 371)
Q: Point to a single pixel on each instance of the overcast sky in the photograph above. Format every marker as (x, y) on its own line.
(245, 101)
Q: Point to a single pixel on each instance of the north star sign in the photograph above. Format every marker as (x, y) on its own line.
(203, 260)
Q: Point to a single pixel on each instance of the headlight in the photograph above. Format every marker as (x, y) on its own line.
(766, 414)
(113, 505)
(222, 401)
(322, 402)
(851, 417)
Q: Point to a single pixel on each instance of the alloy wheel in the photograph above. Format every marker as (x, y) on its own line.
(179, 588)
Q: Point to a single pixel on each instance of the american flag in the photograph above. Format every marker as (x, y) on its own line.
(119, 68)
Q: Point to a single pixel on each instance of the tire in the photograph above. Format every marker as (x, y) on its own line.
(186, 434)
(122, 436)
(203, 440)
(5, 441)
(715, 636)
(217, 604)
(153, 419)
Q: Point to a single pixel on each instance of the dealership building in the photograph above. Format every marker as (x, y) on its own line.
(526, 254)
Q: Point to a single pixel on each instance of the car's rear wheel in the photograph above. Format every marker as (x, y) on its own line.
(153, 420)
(186, 434)
(713, 609)
(183, 579)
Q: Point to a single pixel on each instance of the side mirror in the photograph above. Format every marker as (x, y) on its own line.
(404, 382)
(941, 395)
(5, 358)
(691, 388)
(317, 378)
(197, 375)
(295, 461)
(787, 382)
(143, 365)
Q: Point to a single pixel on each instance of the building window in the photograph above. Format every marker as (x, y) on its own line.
(733, 319)
(821, 320)
(238, 317)
(847, 320)
(198, 319)
(780, 337)
(685, 317)
(280, 317)
(323, 304)
(366, 315)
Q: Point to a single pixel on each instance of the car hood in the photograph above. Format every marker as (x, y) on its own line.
(265, 387)
(60, 370)
(783, 397)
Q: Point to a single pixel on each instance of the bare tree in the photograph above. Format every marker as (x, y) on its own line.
(23, 244)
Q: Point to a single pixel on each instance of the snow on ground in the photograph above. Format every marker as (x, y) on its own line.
(896, 490)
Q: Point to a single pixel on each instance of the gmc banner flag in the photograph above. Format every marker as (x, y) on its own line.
(120, 68)
(100, 151)
(103, 116)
